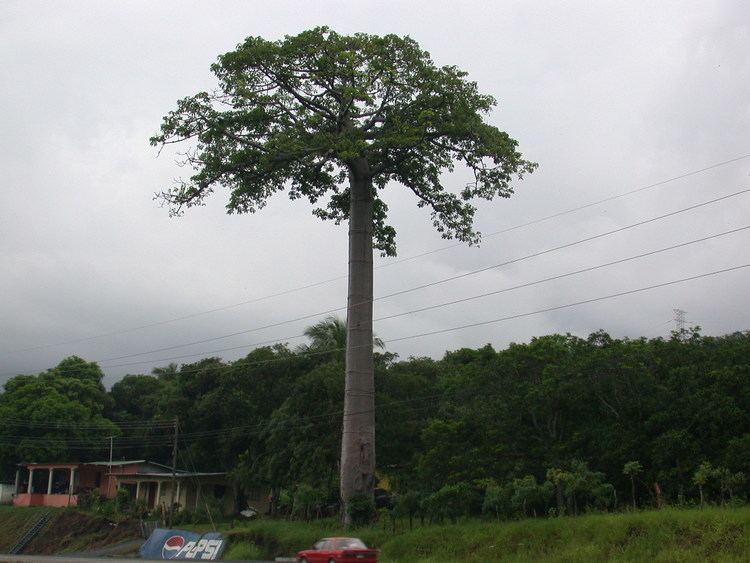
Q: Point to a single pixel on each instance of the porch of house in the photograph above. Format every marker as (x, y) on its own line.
(189, 490)
(54, 486)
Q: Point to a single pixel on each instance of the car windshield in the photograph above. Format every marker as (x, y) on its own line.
(350, 543)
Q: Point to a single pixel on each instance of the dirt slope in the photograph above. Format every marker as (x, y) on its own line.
(73, 531)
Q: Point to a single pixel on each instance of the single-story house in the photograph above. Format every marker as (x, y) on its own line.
(60, 484)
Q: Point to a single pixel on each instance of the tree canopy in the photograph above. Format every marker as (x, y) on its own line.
(304, 109)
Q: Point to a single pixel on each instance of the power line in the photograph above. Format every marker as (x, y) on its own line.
(567, 274)
(476, 324)
(575, 304)
(257, 429)
(393, 263)
(574, 209)
(403, 291)
(84, 425)
(551, 278)
(323, 352)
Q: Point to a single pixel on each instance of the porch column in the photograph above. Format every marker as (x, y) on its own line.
(137, 490)
(71, 488)
(18, 481)
(31, 480)
(158, 493)
(177, 496)
(49, 482)
(197, 497)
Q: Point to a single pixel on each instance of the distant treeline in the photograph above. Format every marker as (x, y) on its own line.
(559, 424)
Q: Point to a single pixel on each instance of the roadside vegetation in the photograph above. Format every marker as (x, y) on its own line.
(68, 531)
(709, 534)
(558, 426)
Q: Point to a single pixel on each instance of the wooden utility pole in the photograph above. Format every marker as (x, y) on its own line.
(109, 475)
(174, 469)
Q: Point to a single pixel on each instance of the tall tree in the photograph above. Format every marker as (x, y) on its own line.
(58, 415)
(340, 117)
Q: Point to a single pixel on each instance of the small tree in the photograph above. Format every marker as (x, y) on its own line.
(527, 493)
(701, 477)
(452, 501)
(559, 479)
(497, 500)
(306, 498)
(589, 487)
(631, 469)
(361, 509)
(728, 482)
(408, 505)
(122, 500)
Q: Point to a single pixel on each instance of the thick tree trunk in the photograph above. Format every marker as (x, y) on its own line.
(358, 439)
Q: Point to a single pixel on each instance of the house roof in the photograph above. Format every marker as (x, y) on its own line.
(97, 463)
(118, 463)
(149, 473)
(167, 475)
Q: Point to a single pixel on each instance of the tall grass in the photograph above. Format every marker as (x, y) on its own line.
(711, 534)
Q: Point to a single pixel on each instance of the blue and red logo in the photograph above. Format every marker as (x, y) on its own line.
(172, 547)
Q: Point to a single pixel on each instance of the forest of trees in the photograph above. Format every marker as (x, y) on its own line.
(561, 424)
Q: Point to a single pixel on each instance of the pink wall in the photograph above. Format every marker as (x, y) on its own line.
(109, 484)
(56, 501)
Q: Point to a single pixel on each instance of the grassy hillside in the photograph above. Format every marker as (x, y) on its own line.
(713, 534)
(76, 531)
(13, 522)
(68, 531)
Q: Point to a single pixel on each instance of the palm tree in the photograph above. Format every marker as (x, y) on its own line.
(329, 335)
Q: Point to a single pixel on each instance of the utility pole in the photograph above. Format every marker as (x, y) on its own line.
(109, 475)
(174, 468)
(679, 321)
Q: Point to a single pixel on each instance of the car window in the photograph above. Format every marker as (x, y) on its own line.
(350, 543)
(322, 544)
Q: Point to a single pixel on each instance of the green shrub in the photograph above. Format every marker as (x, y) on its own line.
(209, 509)
(361, 509)
(183, 517)
(244, 550)
(497, 501)
(87, 500)
(453, 501)
(122, 500)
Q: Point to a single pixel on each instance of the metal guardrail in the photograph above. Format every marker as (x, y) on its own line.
(31, 533)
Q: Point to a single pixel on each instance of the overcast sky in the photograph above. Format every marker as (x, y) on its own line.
(607, 97)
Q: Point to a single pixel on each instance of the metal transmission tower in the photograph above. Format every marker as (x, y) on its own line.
(679, 321)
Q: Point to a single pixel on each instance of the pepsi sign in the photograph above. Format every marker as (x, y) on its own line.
(172, 547)
(182, 545)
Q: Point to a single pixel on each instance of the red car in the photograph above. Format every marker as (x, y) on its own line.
(338, 550)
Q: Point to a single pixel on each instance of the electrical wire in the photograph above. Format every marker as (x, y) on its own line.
(400, 292)
(393, 263)
(520, 315)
